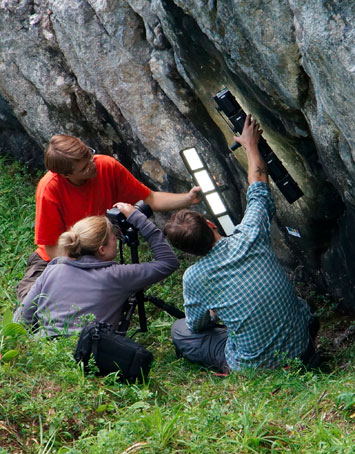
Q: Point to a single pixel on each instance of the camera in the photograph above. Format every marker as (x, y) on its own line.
(228, 105)
(119, 219)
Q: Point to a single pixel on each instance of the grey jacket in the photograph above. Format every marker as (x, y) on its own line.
(69, 289)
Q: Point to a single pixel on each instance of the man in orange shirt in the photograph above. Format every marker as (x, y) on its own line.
(79, 184)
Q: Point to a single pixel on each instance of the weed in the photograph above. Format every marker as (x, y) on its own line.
(10, 335)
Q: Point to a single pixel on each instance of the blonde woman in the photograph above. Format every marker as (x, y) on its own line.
(87, 280)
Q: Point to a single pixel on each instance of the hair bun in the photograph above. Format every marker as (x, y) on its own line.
(70, 242)
(86, 236)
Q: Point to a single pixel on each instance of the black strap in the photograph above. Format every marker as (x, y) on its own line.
(95, 337)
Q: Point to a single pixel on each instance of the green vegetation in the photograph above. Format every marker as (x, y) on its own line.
(47, 405)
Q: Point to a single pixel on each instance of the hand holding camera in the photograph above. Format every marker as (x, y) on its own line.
(125, 208)
(119, 213)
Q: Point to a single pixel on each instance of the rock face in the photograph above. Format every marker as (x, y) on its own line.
(136, 79)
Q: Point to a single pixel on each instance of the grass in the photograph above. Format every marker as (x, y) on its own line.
(47, 405)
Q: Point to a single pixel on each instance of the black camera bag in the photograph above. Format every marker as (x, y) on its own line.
(112, 352)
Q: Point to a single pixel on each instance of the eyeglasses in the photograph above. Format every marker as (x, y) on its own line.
(88, 165)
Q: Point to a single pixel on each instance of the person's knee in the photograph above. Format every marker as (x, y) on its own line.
(179, 329)
(183, 338)
(187, 346)
(35, 267)
(205, 348)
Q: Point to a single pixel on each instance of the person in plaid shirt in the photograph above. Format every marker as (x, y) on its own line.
(239, 280)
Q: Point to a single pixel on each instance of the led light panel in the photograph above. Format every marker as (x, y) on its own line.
(193, 159)
(204, 181)
(226, 224)
(215, 202)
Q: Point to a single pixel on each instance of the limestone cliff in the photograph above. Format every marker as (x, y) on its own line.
(136, 79)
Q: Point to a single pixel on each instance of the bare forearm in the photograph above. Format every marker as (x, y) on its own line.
(163, 201)
(257, 169)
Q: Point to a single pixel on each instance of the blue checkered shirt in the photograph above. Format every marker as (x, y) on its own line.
(245, 285)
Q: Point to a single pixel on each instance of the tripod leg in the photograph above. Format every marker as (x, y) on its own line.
(141, 312)
(170, 309)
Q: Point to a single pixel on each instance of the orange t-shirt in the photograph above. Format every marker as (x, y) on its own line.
(59, 204)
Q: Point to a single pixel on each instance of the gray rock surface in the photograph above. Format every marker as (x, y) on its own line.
(136, 79)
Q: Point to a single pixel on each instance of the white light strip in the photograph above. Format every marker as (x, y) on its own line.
(226, 224)
(216, 204)
(204, 181)
(193, 158)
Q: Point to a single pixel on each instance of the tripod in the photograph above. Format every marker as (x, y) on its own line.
(130, 237)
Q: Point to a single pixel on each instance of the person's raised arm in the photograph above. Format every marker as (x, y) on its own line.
(257, 169)
(260, 206)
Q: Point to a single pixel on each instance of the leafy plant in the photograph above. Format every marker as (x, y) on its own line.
(10, 335)
(346, 400)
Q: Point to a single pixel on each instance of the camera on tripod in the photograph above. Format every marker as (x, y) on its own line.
(235, 118)
(130, 236)
(119, 220)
